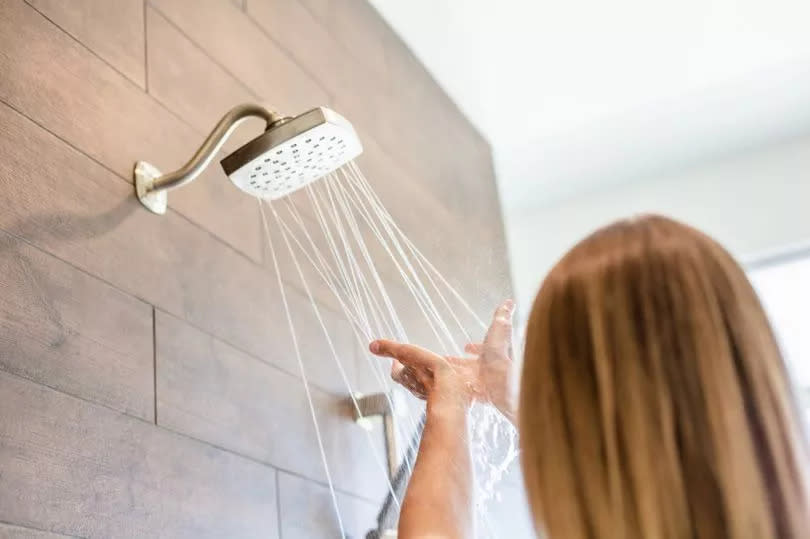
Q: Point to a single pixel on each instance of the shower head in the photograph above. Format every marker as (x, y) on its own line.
(291, 153)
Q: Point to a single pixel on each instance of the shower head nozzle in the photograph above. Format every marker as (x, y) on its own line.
(292, 154)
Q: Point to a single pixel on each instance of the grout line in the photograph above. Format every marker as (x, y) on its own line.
(138, 86)
(64, 141)
(154, 361)
(36, 529)
(183, 435)
(407, 167)
(293, 58)
(278, 505)
(145, 300)
(74, 38)
(254, 357)
(145, 51)
(321, 21)
(62, 391)
(330, 95)
(205, 53)
(115, 173)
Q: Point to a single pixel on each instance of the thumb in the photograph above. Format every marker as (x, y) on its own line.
(499, 334)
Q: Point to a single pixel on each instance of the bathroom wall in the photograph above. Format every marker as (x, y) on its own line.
(752, 201)
(147, 383)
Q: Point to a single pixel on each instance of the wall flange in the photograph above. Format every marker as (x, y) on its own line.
(145, 175)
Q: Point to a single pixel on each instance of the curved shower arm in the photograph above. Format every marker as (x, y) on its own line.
(151, 185)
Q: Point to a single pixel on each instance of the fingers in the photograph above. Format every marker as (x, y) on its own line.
(407, 354)
(474, 348)
(499, 335)
(413, 383)
(408, 378)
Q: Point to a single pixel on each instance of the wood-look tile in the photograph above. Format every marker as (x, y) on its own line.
(357, 89)
(303, 35)
(307, 511)
(65, 88)
(8, 531)
(226, 372)
(319, 8)
(80, 469)
(234, 40)
(213, 392)
(70, 331)
(62, 202)
(367, 46)
(113, 30)
(189, 83)
(356, 457)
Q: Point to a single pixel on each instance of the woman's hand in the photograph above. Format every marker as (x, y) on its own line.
(439, 379)
(484, 377)
(495, 361)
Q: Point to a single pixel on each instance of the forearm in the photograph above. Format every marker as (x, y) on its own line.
(439, 499)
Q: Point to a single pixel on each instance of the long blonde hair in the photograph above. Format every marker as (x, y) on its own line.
(654, 400)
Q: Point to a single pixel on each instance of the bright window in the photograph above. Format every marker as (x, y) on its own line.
(784, 289)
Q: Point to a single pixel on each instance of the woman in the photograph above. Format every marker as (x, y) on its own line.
(654, 403)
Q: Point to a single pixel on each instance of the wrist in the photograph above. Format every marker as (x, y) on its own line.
(447, 406)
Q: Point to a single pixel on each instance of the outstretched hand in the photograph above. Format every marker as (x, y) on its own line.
(484, 377)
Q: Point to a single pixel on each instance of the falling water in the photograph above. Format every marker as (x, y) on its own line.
(351, 223)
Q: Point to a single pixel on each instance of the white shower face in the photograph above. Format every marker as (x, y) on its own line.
(293, 154)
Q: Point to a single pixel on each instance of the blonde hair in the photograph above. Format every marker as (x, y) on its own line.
(654, 401)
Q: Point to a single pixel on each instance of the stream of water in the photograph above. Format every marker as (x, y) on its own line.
(342, 232)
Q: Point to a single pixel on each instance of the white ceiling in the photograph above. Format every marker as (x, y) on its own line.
(575, 94)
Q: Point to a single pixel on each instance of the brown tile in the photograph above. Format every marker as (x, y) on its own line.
(356, 457)
(302, 35)
(213, 392)
(287, 224)
(319, 362)
(358, 91)
(319, 8)
(62, 202)
(307, 511)
(80, 469)
(113, 30)
(355, 88)
(7, 531)
(372, 374)
(360, 98)
(231, 38)
(358, 26)
(415, 208)
(189, 83)
(95, 109)
(67, 330)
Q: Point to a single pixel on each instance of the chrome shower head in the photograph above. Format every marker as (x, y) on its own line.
(293, 153)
